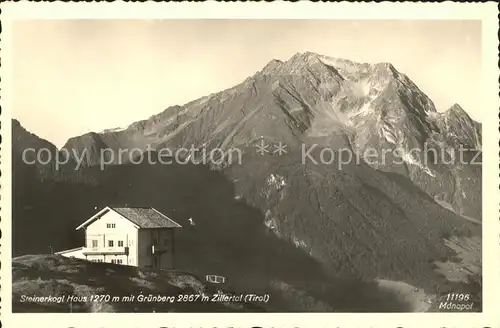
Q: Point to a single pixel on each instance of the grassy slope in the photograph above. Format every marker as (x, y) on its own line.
(44, 275)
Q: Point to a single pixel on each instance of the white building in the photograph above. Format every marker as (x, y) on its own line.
(133, 236)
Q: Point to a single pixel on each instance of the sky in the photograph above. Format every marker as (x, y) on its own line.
(75, 76)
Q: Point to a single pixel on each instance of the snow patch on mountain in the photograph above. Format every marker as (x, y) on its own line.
(348, 69)
(274, 184)
(301, 244)
(389, 135)
(271, 223)
(277, 181)
(409, 159)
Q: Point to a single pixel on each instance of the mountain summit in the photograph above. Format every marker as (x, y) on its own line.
(299, 95)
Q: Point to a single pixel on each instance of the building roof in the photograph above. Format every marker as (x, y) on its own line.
(146, 217)
(68, 250)
(141, 217)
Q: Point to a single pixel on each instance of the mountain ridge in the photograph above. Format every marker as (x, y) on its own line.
(306, 99)
(304, 60)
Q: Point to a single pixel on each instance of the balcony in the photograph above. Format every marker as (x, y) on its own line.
(105, 250)
(158, 249)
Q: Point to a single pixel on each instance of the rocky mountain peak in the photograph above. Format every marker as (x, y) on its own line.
(27, 139)
(309, 63)
(16, 123)
(457, 124)
(299, 64)
(457, 115)
(88, 138)
(272, 66)
(456, 111)
(308, 95)
(306, 57)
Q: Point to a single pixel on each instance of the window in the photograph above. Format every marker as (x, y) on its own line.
(99, 260)
(95, 243)
(120, 243)
(110, 225)
(116, 261)
(110, 243)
